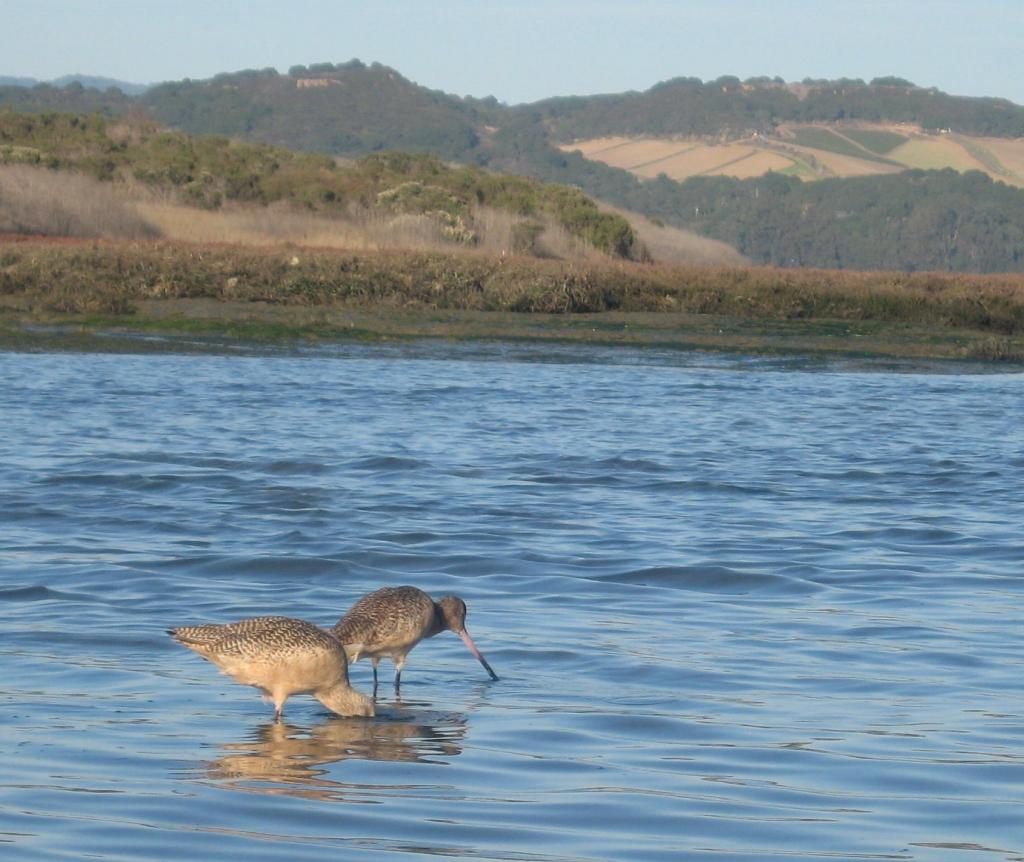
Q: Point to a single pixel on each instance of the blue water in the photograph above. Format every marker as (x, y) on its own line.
(741, 609)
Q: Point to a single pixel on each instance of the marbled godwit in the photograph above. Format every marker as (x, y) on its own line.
(392, 620)
(282, 657)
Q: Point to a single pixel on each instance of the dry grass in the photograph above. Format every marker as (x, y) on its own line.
(39, 201)
(644, 155)
(934, 153)
(679, 159)
(598, 145)
(498, 232)
(757, 163)
(280, 224)
(672, 245)
(696, 160)
(1010, 155)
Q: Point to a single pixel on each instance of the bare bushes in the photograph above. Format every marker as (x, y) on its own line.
(360, 229)
(40, 201)
(666, 244)
(494, 232)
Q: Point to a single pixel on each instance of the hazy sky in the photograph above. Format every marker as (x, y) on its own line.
(530, 49)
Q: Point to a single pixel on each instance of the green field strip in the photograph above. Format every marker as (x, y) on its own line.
(832, 142)
(877, 141)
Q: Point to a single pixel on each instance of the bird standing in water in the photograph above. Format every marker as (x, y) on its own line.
(281, 656)
(392, 620)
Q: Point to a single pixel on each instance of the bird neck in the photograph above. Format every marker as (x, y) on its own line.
(438, 624)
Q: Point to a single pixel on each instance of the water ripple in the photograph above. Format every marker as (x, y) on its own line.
(741, 608)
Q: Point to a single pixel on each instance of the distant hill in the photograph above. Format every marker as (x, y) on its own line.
(887, 135)
(71, 99)
(95, 82)
(728, 108)
(11, 81)
(350, 109)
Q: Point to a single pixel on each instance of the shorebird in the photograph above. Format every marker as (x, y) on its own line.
(281, 656)
(392, 620)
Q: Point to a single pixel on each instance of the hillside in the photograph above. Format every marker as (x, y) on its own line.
(915, 220)
(810, 152)
(209, 172)
(95, 82)
(350, 109)
(672, 135)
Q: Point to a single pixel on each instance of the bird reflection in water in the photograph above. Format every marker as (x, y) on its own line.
(286, 759)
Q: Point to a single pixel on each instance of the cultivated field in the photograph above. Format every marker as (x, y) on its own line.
(810, 152)
(729, 159)
(934, 154)
(822, 163)
(636, 155)
(754, 164)
(1009, 153)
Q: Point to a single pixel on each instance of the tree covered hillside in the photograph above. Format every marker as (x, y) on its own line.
(728, 107)
(919, 220)
(349, 109)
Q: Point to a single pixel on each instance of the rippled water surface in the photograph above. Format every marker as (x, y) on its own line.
(741, 609)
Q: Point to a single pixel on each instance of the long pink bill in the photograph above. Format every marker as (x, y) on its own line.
(472, 648)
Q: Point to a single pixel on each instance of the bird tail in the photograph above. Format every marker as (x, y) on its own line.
(193, 636)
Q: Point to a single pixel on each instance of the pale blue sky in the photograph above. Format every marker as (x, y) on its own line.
(530, 49)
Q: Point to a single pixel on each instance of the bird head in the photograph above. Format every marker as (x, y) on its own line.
(453, 612)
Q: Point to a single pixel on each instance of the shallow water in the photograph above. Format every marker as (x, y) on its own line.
(741, 609)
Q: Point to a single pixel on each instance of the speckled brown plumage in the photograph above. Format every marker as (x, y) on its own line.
(281, 656)
(392, 620)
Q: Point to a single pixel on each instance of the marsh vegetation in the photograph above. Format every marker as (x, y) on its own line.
(473, 294)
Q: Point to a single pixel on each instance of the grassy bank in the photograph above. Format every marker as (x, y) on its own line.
(212, 171)
(280, 292)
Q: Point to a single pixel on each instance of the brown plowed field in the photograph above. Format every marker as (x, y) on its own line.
(679, 158)
(760, 162)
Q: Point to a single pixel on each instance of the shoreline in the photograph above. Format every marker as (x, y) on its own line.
(55, 294)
